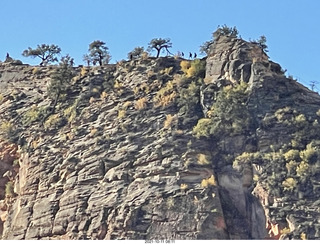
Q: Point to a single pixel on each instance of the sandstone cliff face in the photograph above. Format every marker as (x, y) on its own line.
(119, 158)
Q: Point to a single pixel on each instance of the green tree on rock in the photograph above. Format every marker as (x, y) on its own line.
(86, 58)
(221, 31)
(262, 42)
(47, 53)
(98, 53)
(205, 47)
(158, 44)
(61, 79)
(225, 31)
(136, 53)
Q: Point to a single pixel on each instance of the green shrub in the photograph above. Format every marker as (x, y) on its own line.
(165, 95)
(301, 121)
(53, 121)
(248, 158)
(289, 184)
(1, 98)
(303, 170)
(189, 98)
(195, 68)
(211, 181)
(71, 112)
(310, 154)
(203, 128)
(228, 115)
(185, 65)
(9, 189)
(292, 155)
(8, 130)
(61, 79)
(291, 166)
(203, 159)
(34, 114)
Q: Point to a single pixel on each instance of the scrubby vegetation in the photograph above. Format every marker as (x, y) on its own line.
(228, 115)
(47, 53)
(9, 190)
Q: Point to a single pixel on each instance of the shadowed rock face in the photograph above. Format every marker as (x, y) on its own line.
(118, 159)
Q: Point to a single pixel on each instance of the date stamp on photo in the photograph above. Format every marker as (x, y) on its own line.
(159, 241)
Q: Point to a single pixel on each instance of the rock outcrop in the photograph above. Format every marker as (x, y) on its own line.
(119, 158)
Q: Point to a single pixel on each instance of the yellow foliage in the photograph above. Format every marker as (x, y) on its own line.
(185, 65)
(303, 236)
(34, 144)
(7, 128)
(289, 184)
(9, 189)
(145, 55)
(169, 119)
(92, 100)
(291, 166)
(52, 121)
(71, 113)
(70, 135)
(167, 70)
(83, 71)
(178, 80)
(141, 103)
(150, 73)
(191, 71)
(121, 113)
(136, 89)
(183, 186)
(203, 159)
(170, 202)
(285, 231)
(211, 181)
(6, 125)
(145, 87)
(192, 68)
(93, 131)
(309, 154)
(291, 155)
(202, 128)
(32, 114)
(165, 100)
(103, 95)
(302, 169)
(95, 90)
(179, 132)
(117, 85)
(126, 105)
(35, 70)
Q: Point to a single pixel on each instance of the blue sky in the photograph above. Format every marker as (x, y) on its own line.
(291, 27)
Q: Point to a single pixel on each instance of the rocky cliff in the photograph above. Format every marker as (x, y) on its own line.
(220, 148)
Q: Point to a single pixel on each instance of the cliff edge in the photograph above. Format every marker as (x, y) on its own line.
(225, 147)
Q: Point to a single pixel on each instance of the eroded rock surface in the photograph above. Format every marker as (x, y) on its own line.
(119, 159)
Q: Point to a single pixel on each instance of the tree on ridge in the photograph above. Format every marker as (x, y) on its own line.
(158, 44)
(47, 53)
(98, 53)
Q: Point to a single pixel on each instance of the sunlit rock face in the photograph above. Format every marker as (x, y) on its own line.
(119, 156)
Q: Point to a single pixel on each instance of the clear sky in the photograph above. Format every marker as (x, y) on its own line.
(291, 27)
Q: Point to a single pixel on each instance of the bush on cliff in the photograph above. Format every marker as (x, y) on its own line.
(228, 115)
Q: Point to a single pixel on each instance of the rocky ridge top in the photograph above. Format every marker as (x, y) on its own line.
(126, 155)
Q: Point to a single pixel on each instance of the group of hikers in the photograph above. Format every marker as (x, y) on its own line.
(181, 54)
